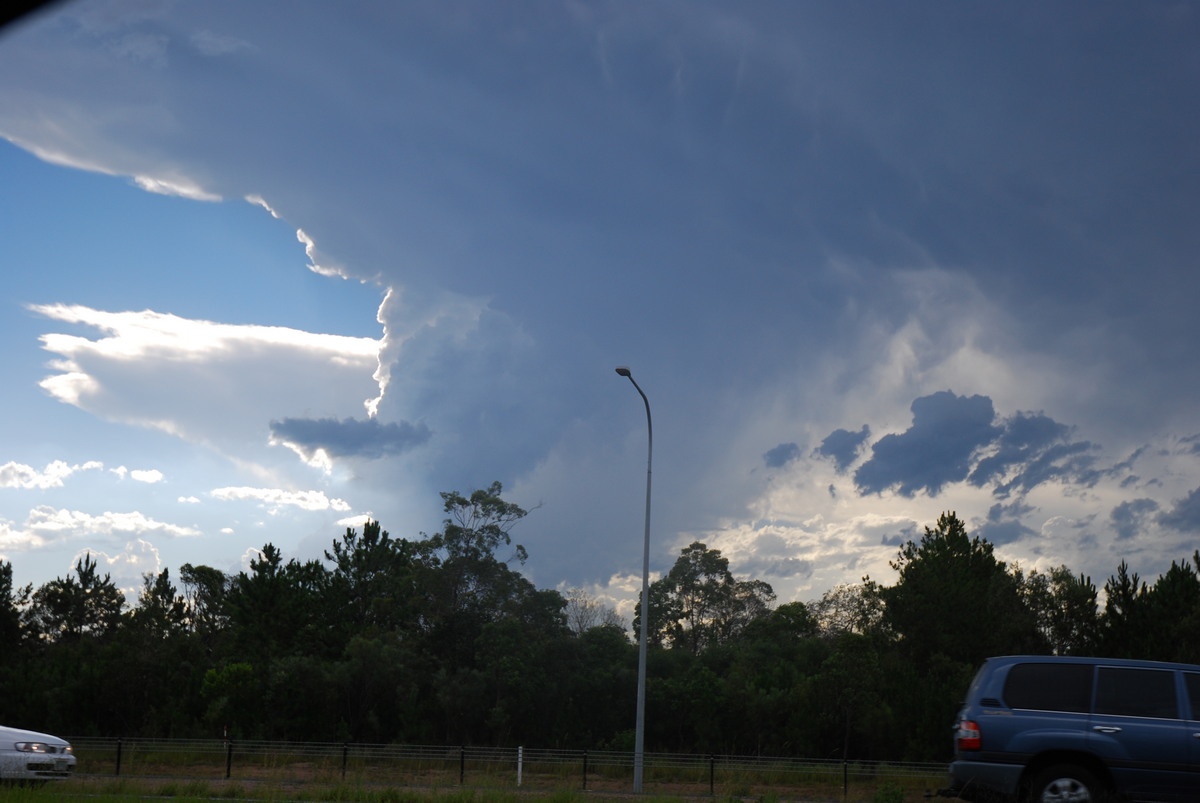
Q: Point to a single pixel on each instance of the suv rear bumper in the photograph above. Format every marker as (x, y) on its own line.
(984, 780)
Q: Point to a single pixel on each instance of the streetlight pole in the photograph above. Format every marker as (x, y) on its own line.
(639, 739)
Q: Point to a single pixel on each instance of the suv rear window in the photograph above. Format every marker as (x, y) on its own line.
(1136, 693)
(1049, 687)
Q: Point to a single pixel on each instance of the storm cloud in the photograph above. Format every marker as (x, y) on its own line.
(348, 437)
(946, 432)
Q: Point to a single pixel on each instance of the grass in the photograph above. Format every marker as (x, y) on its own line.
(129, 790)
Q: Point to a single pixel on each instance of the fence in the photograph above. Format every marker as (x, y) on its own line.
(442, 767)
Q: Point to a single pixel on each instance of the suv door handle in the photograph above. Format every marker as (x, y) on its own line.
(1106, 729)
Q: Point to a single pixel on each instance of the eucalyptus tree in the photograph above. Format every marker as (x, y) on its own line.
(1066, 610)
(204, 591)
(699, 603)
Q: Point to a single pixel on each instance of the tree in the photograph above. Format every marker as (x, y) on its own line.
(1156, 622)
(699, 603)
(584, 612)
(12, 602)
(372, 580)
(847, 608)
(72, 607)
(953, 598)
(277, 609)
(160, 609)
(1174, 603)
(464, 582)
(1125, 614)
(1064, 607)
(204, 590)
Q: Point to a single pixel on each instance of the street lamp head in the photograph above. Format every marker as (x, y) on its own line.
(623, 371)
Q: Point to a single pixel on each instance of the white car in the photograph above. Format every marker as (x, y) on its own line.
(28, 755)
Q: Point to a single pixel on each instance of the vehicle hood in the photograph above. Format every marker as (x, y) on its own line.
(8, 735)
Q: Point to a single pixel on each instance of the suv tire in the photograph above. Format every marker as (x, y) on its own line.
(1066, 783)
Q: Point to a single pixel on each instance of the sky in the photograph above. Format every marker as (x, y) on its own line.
(269, 269)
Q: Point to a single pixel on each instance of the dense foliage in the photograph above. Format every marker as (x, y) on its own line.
(441, 640)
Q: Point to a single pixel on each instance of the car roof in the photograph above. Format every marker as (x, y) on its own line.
(1004, 660)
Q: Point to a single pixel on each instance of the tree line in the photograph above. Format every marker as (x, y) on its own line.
(441, 640)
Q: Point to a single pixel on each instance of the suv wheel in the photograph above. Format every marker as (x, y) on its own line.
(1065, 783)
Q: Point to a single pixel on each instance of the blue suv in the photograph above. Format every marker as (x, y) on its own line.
(1051, 729)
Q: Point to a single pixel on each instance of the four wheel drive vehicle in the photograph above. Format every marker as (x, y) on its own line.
(1047, 728)
(32, 756)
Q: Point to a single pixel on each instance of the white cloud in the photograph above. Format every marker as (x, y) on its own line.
(148, 476)
(355, 521)
(276, 499)
(316, 262)
(64, 523)
(251, 554)
(46, 525)
(180, 187)
(207, 382)
(14, 539)
(19, 475)
(128, 567)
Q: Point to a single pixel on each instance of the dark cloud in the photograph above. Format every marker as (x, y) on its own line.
(1062, 461)
(1003, 532)
(1003, 525)
(956, 438)
(1032, 449)
(889, 536)
(1023, 438)
(1016, 510)
(1127, 516)
(349, 437)
(781, 455)
(1185, 516)
(947, 430)
(843, 446)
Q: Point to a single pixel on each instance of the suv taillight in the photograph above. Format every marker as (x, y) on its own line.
(968, 736)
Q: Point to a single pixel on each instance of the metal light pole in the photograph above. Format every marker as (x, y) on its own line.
(639, 739)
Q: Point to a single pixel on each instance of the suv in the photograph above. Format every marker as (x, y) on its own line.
(1056, 728)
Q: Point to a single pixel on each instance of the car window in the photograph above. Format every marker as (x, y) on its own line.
(1049, 687)
(1136, 693)
(1192, 681)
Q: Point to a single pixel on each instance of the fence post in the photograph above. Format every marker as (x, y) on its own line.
(845, 778)
(462, 764)
(712, 773)
(228, 758)
(118, 772)
(345, 758)
(585, 769)
(520, 763)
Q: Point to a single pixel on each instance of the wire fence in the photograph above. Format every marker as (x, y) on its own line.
(444, 767)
